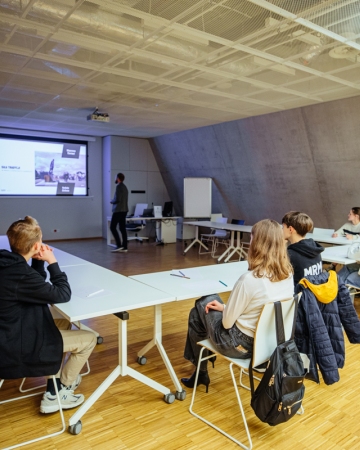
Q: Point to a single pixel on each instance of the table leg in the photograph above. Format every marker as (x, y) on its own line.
(229, 249)
(122, 369)
(196, 240)
(157, 340)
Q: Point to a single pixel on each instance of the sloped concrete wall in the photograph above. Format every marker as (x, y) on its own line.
(304, 159)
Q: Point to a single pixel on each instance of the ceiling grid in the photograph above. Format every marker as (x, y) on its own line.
(160, 66)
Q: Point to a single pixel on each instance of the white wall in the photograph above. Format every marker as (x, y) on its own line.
(134, 158)
(72, 217)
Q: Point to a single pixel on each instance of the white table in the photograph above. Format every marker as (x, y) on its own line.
(337, 255)
(232, 249)
(204, 280)
(328, 239)
(116, 294)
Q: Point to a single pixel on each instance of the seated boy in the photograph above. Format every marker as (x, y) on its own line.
(31, 344)
(304, 253)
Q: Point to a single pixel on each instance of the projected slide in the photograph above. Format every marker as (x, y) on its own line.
(37, 167)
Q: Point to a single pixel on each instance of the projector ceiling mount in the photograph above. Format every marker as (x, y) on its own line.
(98, 116)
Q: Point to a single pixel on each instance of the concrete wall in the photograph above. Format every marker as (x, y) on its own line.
(303, 159)
(72, 217)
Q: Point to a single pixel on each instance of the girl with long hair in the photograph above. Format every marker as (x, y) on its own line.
(231, 327)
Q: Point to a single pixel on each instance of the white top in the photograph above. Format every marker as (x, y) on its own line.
(248, 297)
(351, 227)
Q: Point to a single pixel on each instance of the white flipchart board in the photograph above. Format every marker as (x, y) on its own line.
(197, 197)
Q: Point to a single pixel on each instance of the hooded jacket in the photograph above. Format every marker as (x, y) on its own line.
(30, 343)
(305, 257)
(325, 307)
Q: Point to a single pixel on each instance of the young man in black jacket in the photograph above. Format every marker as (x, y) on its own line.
(32, 343)
(304, 254)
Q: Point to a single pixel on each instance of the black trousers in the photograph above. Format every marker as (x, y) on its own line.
(230, 342)
(119, 218)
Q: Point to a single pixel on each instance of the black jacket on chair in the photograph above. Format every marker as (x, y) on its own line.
(30, 343)
(319, 332)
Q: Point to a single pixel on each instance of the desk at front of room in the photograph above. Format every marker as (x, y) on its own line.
(165, 229)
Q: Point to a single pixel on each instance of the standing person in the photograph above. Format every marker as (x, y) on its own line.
(31, 342)
(350, 229)
(120, 210)
(231, 327)
(304, 254)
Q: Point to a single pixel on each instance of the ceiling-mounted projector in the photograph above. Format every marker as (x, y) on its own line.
(98, 116)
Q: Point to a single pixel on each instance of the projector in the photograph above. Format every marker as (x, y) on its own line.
(99, 117)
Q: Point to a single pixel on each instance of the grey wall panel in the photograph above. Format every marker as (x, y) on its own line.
(305, 159)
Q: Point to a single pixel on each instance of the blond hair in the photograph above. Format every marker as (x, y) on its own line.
(267, 253)
(23, 235)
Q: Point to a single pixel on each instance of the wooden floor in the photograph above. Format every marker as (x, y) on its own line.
(132, 416)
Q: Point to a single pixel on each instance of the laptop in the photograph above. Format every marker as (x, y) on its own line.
(148, 212)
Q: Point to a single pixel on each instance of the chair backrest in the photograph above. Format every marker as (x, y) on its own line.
(221, 233)
(265, 335)
(238, 222)
(323, 231)
(215, 216)
(139, 211)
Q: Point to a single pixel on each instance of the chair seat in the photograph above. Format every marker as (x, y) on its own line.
(242, 363)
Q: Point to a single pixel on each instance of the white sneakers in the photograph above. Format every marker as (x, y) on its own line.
(117, 249)
(68, 399)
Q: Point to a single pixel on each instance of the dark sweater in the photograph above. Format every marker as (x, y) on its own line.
(30, 343)
(305, 258)
(120, 200)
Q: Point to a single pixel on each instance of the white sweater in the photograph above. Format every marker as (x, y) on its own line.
(351, 227)
(248, 297)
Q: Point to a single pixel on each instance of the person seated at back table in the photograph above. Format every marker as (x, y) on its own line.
(352, 225)
(31, 342)
(304, 254)
(349, 273)
(231, 327)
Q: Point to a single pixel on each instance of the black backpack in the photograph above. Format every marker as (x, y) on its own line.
(280, 392)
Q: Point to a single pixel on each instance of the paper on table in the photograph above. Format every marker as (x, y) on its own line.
(90, 291)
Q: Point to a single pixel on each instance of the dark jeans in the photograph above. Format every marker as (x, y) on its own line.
(119, 218)
(231, 342)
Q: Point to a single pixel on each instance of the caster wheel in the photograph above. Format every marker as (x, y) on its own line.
(75, 429)
(169, 398)
(99, 340)
(180, 395)
(142, 360)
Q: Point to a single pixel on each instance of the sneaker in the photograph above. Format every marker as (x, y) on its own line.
(123, 250)
(118, 249)
(76, 383)
(68, 400)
